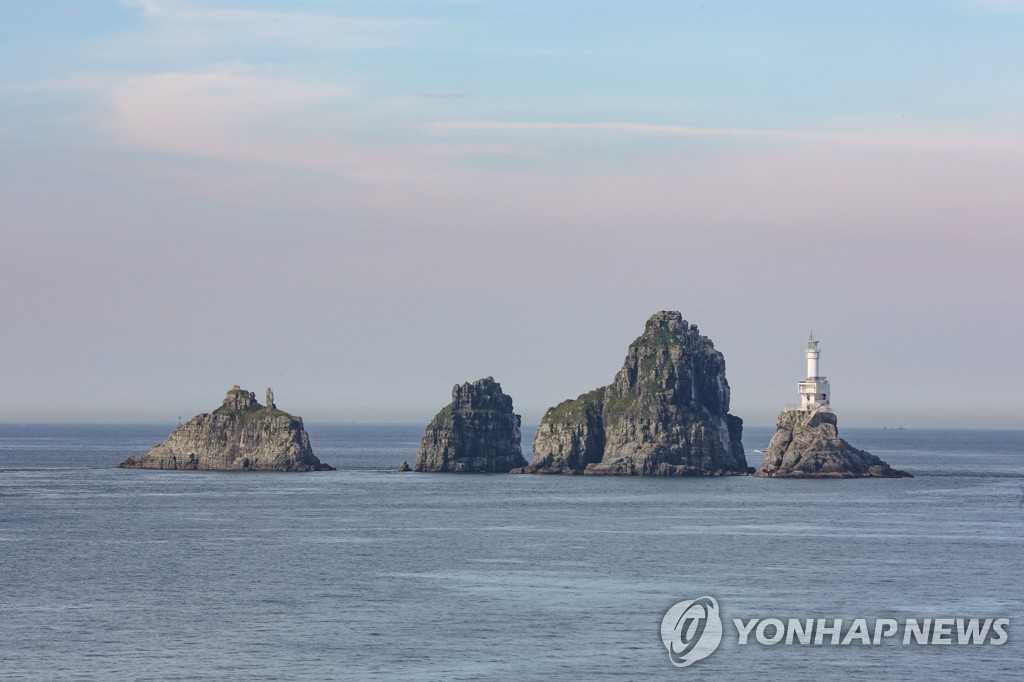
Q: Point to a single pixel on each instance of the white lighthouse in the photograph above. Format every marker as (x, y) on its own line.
(814, 390)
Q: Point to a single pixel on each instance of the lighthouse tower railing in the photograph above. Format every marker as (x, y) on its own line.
(798, 407)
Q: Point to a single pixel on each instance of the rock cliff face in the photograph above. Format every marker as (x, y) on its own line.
(476, 433)
(807, 445)
(240, 435)
(665, 414)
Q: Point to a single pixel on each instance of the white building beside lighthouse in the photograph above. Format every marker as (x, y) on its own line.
(814, 390)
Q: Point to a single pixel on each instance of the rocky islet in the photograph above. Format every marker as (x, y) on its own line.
(807, 445)
(666, 413)
(240, 435)
(477, 432)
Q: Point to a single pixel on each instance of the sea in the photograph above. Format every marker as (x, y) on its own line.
(369, 574)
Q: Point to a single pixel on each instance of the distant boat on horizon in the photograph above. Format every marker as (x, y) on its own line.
(893, 428)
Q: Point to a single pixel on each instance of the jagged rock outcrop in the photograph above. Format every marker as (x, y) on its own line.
(476, 433)
(240, 435)
(665, 414)
(807, 445)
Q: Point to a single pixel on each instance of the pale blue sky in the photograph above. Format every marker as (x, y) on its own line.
(362, 203)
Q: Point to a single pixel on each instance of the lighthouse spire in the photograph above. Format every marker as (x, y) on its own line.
(814, 390)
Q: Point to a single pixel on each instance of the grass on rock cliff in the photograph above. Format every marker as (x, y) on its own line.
(575, 411)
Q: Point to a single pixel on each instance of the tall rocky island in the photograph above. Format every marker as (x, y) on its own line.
(665, 414)
(476, 433)
(240, 435)
(806, 443)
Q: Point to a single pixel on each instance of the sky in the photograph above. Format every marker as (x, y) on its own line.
(362, 203)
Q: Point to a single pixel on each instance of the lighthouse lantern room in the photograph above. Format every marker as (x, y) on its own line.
(814, 390)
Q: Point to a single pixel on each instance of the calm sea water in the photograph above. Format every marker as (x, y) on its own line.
(368, 574)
